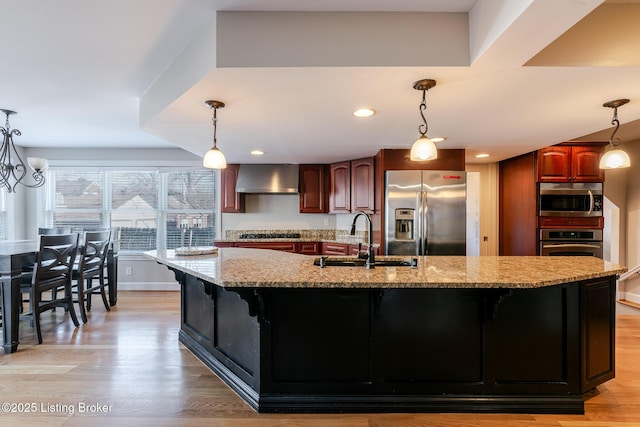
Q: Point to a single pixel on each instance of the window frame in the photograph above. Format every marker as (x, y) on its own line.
(162, 210)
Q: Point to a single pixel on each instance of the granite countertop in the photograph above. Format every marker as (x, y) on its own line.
(242, 267)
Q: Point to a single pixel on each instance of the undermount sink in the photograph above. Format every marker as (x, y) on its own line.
(359, 262)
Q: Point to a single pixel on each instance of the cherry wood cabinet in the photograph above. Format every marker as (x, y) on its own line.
(517, 206)
(330, 248)
(230, 200)
(340, 187)
(568, 222)
(570, 163)
(308, 248)
(352, 186)
(314, 197)
(362, 185)
(353, 249)
(276, 246)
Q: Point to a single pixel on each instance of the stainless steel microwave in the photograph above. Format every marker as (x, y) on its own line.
(570, 199)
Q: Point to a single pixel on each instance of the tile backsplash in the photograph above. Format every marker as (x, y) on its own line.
(316, 234)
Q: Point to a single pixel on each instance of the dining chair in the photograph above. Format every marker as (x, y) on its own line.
(53, 230)
(27, 270)
(53, 271)
(91, 265)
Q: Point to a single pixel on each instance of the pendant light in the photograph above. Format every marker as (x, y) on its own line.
(214, 159)
(615, 158)
(423, 148)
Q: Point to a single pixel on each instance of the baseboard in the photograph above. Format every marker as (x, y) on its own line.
(148, 286)
(630, 297)
(629, 303)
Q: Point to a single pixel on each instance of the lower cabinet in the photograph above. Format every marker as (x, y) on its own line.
(306, 248)
(340, 349)
(329, 248)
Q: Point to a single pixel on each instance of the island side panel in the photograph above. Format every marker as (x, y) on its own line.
(598, 331)
(221, 328)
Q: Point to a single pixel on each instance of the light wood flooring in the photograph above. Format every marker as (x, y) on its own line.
(130, 361)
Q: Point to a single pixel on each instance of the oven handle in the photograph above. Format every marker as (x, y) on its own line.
(570, 245)
(591, 201)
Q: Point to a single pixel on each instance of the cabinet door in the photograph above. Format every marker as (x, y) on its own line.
(585, 164)
(362, 185)
(340, 187)
(276, 246)
(230, 200)
(554, 164)
(313, 192)
(335, 248)
(308, 248)
(353, 249)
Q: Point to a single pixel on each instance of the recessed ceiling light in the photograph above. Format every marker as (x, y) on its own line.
(481, 155)
(257, 152)
(364, 112)
(437, 138)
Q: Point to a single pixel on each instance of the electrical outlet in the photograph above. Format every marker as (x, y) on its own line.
(128, 271)
(326, 221)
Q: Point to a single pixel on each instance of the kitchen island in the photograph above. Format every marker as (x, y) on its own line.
(455, 334)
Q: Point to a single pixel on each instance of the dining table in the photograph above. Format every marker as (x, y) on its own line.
(17, 256)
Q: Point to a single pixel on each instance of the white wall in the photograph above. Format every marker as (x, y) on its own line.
(630, 236)
(275, 212)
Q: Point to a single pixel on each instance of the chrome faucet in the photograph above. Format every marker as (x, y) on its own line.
(370, 261)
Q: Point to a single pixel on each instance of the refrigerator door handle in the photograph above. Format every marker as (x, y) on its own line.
(419, 223)
(425, 223)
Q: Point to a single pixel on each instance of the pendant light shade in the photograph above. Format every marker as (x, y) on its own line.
(423, 148)
(615, 158)
(214, 159)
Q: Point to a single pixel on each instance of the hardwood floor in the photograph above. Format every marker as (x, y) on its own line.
(128, 363)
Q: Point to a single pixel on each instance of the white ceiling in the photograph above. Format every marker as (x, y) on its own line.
(77, 72)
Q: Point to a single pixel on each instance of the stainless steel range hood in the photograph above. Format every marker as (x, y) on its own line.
(267, 178)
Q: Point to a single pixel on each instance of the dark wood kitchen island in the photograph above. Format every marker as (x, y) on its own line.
(456, 334)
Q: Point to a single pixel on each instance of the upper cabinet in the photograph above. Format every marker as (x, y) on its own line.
(230, 200)
(351, 186)
(570, 163)
(340, 187)
(313, 189)
(362, 179)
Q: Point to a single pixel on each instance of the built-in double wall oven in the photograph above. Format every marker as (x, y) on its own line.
(571, 242)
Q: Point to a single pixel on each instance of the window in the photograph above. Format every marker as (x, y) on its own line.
(152, 208)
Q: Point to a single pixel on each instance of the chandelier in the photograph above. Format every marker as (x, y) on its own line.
(12, 174)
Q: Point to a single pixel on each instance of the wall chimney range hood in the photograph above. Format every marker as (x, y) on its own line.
(267, 178)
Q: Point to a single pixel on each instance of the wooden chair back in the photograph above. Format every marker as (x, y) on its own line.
(54, 263)
(94, 252)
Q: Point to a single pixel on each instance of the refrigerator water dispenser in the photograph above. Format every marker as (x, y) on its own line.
(404, 223)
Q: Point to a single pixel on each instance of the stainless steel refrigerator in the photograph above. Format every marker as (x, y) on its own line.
(425, 212)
